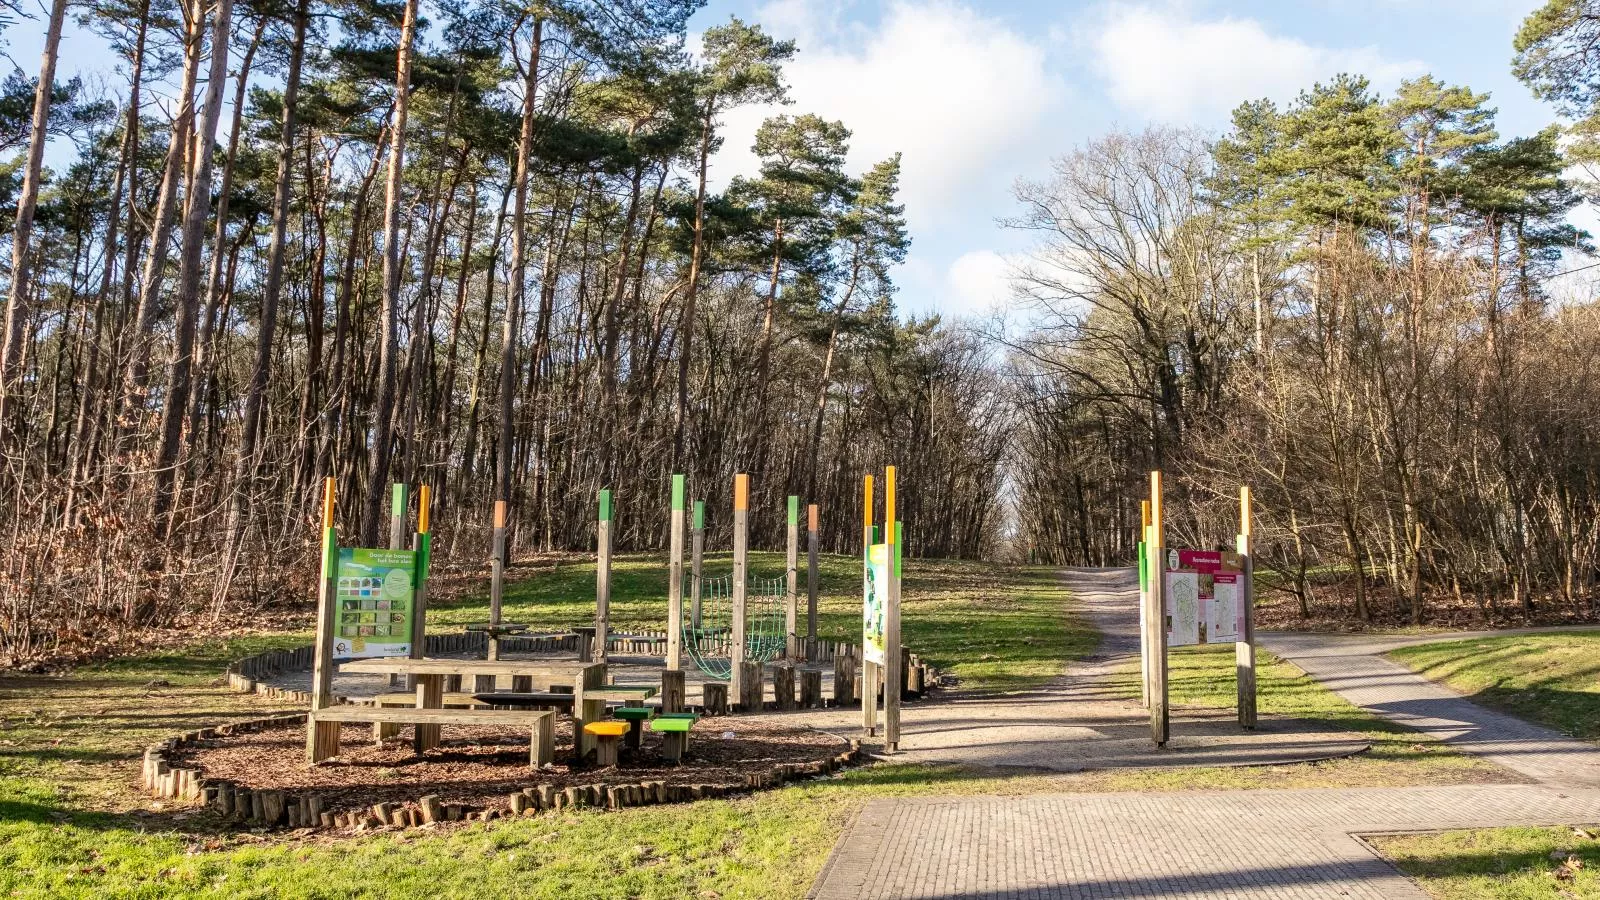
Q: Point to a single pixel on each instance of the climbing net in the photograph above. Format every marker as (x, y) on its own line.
(708, 621)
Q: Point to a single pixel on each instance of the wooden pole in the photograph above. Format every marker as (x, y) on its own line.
(869, 673)
(497, 576)
(1160, 722)
(398, 500)
(791, 606)
(424, 548)
(812, 541)
(894, 664)
(675, 580)
(327, 598)
(1144, 603)
(741, 550)
(697, 542)
(1244, 649)
(602, 579)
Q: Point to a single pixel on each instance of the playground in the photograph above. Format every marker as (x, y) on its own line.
(1043, 694)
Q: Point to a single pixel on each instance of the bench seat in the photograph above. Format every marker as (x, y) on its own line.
(527, 698)
(542, 724)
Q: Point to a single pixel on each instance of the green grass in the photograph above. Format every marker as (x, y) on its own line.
(994, 628)
(1499, 863)
(1552, 679)
(1204, 677)
(72, 823)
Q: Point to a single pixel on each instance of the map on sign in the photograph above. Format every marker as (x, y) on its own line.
(1203, 593)
(873, 604)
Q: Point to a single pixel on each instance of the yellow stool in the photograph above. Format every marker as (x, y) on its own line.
(608, 734)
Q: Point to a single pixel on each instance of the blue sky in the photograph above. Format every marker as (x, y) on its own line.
(977, 95)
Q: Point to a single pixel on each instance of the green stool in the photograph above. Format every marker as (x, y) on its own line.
(635, 717)
(674, 729)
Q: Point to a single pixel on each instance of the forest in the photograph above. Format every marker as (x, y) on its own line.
(467, 246)
(1345, 302)
(481, 247)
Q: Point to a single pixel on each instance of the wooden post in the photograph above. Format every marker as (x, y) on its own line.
(894, 676)
(791, 606)
(1160, 723)
(675, 580)
(1145, 567)
(812, 541)
(1244, 648)
(673, 690)
(602, 579)
(398, 500)
(321, 736)
(423, 544)
(869, 669)
(497, 576)
(741, 550)
(697, 550)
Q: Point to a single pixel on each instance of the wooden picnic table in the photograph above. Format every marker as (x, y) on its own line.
(583, 678)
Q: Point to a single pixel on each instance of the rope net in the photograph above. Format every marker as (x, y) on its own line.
(708, 621)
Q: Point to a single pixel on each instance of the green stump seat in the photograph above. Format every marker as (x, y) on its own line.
(674, 728)
(635, 716)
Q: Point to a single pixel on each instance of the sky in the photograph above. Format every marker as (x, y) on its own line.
(977, 95)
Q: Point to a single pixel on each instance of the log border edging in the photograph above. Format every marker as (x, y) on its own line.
(272, 808)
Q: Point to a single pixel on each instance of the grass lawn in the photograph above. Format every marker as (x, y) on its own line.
(72, 823)
(1552, 679)
(1500, 863)
(1204, 676)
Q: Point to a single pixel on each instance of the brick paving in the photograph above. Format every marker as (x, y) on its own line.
(1247, 844)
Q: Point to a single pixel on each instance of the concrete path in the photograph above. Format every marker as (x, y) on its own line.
(1354, 667)
(1245, 844)
(1084, 720)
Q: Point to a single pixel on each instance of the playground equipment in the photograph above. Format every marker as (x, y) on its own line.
(735, 623)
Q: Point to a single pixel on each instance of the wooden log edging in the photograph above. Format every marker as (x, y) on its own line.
(273, 808)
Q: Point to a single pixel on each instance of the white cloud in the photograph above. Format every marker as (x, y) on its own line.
(977, 282)
(958, 93)
(1162, 64)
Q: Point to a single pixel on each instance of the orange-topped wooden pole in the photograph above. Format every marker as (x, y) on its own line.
(740, 687)
(1146, 566)
(813, 538)
(497, 578)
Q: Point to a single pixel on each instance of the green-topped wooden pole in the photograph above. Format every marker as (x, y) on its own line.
(602, 579)
(675, 580)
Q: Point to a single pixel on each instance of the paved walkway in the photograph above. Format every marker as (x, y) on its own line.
(1246, 844)
(1084, 720)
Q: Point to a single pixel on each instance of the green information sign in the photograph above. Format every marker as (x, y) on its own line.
(874, 605)
(377, 593)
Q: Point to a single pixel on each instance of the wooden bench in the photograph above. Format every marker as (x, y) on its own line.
(408, 700)
(534, 699)
(542, 724)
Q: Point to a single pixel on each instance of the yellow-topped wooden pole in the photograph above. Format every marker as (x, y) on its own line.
(1160, 722)
(1146, 566)
(1244, 647)
(322, 739)
(894, 662)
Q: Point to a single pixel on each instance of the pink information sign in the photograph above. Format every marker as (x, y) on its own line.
(1204, 589)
